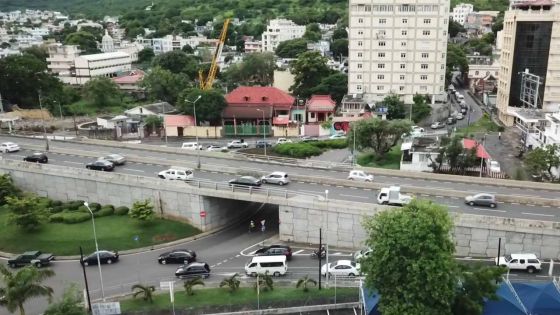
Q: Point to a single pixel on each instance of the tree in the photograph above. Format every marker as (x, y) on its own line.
(86, 41)
(421, 109)
(308, 69)
(177, 61)
(477, 283)
(7, 188)
(305, 282)
(336, 85)
(453, 153)
(256, 69)
(412, 277)
(162, 84)
(542, 160)
(101, 92)
(395, 107)
(142, 210)
(379, 135)
(146, 55)
(25, 212)
(40, 52)
(146, 291)
(189, 285)
(456, 58)
(69, 304)
(23, 285)
(232, 283)
(340, 33)
(312, 32)
(208, 108)
(187, 48)
(455, 28)
(264, 282)
(291, 48)
(153, 122)
(339, 47)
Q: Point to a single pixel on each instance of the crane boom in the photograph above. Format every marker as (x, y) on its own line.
(207, 84)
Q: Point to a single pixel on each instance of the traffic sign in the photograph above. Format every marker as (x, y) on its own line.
(203, 214)
(113, 308)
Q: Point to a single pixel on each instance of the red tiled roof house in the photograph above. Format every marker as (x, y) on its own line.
(320, 108)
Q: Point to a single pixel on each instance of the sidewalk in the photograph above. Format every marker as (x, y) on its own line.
(505, 151)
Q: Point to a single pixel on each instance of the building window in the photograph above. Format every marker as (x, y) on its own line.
(360, 32)
(423, 77)
(381, 44)
(442, 67)
(403, 55)
(404, 21)
(359, 76)
(380, 87)
(426, 32)
(403, 44)
(424, 66)
(359, 54)
(381, 55)
(382, 21)
(423, 88)
(424, 55)
(427, 21)
(401, 77)
(380, 77)
(403, 33)
(476, 73)
(444, 33)
(358, 87)
(403, 66)
(359, 66)
(360, 20)
(360, 43)
(381, 66)
(401, 88)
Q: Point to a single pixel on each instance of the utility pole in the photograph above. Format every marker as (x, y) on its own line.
(1, 104)
(85, 278)
(43, 119)
(319, 256)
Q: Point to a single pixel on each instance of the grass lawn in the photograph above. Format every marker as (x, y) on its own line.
(113, 233)
(220, 297)
(484, 124)
(391, 160)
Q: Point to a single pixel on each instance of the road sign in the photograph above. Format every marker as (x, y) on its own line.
(112, 308)
(203, 214)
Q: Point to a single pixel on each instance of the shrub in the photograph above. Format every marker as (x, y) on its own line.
(94, 206)
(121, 210)
(105, 211)
(75, 217)
(56, 203)
(84, 209)
(297, 150)
(44, 202)
(56, 209)
(330, 144)
(57, 218)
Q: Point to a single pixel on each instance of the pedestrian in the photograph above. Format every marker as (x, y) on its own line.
(499, 136)
(263, 227)
(251, 226)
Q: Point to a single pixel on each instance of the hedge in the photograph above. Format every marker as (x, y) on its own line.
(330, 144)
(297, 150)
(56, 209)
(75, 217)
(121, 210)
(105, 211)
(94, 206)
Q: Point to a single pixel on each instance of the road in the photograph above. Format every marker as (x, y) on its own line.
(334, 192)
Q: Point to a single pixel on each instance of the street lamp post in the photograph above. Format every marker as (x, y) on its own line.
(96, 251)
(59, 109)
(196, 130)
(264, 131)
(43, 120)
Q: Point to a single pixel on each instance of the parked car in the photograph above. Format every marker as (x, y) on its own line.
(481, 200)
(337, 136)
(116, 159)
(308, 139)
(275, 250)
(464, 110)
(279, 178)
(191, 146)
(105, 257)
(459, 116)
(283, 140)
(37, 157)
(177, 256)
(176, 173)
(360, 176)
(417, 130)
(245, 181)
(7, 147)
(495, 166)
(101, 165)
(344, 268)
(214, 147)
(237, 144)
(528, 262)
(451, 120)
(261, 144)
(35, 258)
(437, 125)
(362, 253)
(192, 270)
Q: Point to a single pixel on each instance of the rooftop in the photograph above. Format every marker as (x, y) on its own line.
(321, 103)
(103, 56)
(259, 95)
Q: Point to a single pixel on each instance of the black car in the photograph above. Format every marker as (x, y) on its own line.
(262, 144)
(275, 250)
(192, 270)
(245, 181)
(35, 258)
(37, 158)
(105, 257)
(101, 165)
(177, 256)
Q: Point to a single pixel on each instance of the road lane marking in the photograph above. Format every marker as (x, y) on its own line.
(450, 206)
(353, 196)
(538, 214)
(79, 163)
(133, 170)
(299, 251)
(491, 210)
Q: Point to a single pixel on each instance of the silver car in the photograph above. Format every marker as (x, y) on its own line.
(279, 178)
(116, 159)
(481, 200)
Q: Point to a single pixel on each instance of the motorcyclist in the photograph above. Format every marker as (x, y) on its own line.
(321, 252)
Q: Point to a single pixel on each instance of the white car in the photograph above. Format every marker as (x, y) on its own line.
(237, 144)
(362, 254)
(283, 140)
(341, 268)
(337, 136)
(214, 147)
(279, 178)
(9, 147)
(495, 166)
(417, 131)
(191, 146)
(176, 173)
(360, 176)
(528, 262)
(459, 116)
(116, 159)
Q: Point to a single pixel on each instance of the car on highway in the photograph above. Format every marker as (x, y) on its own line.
(237, 144)
(191, 146)
(308, 139)
(528, 262)
(495, 166)
(177, 256)
(482, 199)
(275, 250)
(35, 258)
(105, 257)
(193, 270)
(116, 159)
(177, 173)
(245, 181)
(437, 125)
(7, 147)
(37, 157)
(363, 253)
(278, 178)
(283, 140)
(215, 147)
(359, 175)
(341, 268)
(337, 136)
(261, 144)
(101, 165)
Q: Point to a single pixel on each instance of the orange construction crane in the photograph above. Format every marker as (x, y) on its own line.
(207, 84)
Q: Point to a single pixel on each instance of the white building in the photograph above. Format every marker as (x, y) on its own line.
(107, 44)
(61, 61)
(252, 46)
(461, 11)
(173, 42)
(280, 30)
(397, 48)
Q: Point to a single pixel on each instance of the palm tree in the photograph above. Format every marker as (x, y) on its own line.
(144, 290)
(23, 285)
(232, 283)
(264, 282)
(304, 282)
(189, 284)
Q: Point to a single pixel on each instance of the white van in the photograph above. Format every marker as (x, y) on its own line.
(274, 265)
(176, 173)
(191, 146)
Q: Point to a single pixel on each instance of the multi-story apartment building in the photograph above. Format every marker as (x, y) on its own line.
(174, 42)
(461, 11)
(61, 61)
(397, 47)
(530, 60)
(280, 30)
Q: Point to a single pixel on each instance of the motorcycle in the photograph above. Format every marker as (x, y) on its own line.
(314, 255)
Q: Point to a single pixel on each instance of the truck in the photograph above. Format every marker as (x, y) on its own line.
(392, 196)
(35, 258)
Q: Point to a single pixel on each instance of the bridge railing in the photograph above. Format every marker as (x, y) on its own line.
(296, 162)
